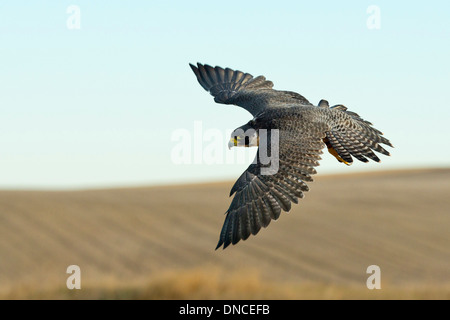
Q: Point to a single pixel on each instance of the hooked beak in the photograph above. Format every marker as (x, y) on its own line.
(233, 142)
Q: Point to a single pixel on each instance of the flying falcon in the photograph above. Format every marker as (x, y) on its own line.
(302, 131)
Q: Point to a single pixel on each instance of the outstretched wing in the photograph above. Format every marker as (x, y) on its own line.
(242, 89)
(260, 198)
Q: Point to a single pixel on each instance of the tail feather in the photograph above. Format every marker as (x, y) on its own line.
(351, 136)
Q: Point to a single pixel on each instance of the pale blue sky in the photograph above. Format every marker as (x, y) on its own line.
(97, 106)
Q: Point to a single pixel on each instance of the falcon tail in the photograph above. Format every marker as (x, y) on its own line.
(355, 138)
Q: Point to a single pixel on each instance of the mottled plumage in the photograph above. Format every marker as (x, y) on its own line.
(304, 130)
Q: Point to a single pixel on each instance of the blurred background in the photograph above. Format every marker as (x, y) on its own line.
(93, 100)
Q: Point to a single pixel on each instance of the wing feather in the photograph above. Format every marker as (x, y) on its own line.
(242, 89)
(259, 199)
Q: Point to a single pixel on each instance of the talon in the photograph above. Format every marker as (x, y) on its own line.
(334, 152)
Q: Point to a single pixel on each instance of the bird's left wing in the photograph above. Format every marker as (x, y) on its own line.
(260, 198)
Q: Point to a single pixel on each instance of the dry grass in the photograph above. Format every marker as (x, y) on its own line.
(201, 284)
(158, 243)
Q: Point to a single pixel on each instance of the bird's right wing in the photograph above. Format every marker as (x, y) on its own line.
(242, 89)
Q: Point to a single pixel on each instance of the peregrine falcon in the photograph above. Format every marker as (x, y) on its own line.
(303, 130)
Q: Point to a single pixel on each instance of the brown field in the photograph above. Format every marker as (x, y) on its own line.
(158, 242)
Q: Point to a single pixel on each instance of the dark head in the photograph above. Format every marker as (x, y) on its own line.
(244, 136)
